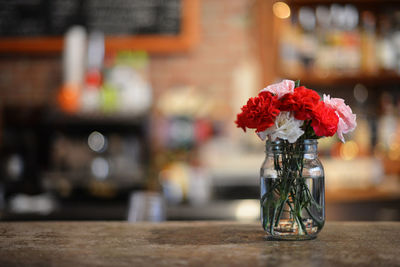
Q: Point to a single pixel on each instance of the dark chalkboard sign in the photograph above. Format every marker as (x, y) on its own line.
(113, 17)
(48, 20)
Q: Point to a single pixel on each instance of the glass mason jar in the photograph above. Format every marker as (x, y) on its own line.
(292, 190)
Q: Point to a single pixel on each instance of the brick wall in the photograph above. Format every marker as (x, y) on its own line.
(224, 42)
(29, 80)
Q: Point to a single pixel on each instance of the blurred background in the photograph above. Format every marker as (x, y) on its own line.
(124, 110)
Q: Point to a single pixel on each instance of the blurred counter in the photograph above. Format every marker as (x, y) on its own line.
(361, 209)
(193, 244)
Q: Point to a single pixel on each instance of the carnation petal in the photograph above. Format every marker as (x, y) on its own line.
(259, 113)
(347, 120)
(280, 89)
(286, 127)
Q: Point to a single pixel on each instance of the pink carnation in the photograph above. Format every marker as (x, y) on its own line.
(347, 120)
(280, 89)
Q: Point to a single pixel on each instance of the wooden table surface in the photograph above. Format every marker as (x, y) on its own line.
(204, 243)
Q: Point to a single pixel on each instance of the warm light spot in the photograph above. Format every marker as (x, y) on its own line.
(394, 152)
(394, 146)
(281, 10)
(349, 150)
(247, 210)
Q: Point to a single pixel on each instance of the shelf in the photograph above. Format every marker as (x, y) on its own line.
(346, 79)
(117, 121)
(354, 2)
(286, 51)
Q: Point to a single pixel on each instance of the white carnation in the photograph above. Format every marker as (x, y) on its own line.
(286, 127)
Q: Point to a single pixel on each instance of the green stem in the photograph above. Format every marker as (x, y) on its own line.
(319, 223)
(313, 201)
(296, 211)
(271, 225)
(288, 183)
(282, 204)
(298, 219)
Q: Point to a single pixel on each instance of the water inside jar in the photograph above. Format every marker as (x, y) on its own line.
(292, 207)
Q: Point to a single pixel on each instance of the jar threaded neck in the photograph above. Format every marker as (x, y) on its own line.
(307, 146)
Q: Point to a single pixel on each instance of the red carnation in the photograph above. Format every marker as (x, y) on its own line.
(302, 102)
(259, 113)
(324, 121)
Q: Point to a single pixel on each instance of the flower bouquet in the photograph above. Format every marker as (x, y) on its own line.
(292, 118)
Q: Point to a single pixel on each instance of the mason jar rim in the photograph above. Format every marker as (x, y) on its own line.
(304, 146)
(305, 141)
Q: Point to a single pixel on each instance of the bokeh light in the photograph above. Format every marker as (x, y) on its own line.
(281, 10)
